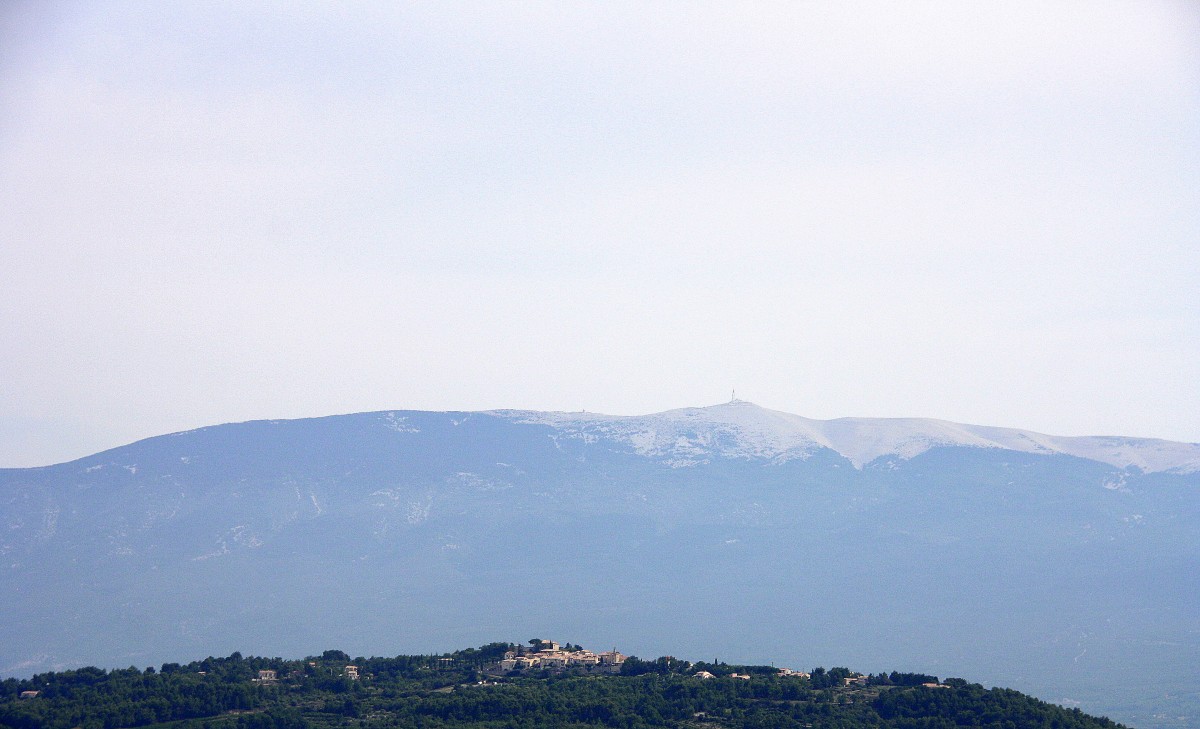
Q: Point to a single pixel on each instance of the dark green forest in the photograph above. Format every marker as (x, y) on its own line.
(456, 690)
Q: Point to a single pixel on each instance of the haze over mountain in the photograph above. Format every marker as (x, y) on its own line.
(1065, 567)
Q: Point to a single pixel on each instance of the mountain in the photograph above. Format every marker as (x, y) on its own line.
(1064, 567)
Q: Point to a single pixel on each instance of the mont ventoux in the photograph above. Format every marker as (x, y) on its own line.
(1063, 567)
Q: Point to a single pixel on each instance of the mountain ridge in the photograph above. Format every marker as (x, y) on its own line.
(683, 437)
(863, 440)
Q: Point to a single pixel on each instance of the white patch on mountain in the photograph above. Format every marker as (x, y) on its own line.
(398, 423)
(740, 429)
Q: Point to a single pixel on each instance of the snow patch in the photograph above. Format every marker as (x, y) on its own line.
(742, 430)
(398, 423)
(239, 535)
(1117, 483)
(477, 482)
(49, 524)
(418, 511)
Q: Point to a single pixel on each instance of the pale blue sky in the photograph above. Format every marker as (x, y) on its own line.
(983, 212)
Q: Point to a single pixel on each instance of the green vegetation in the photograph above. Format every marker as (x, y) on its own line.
(453, 690)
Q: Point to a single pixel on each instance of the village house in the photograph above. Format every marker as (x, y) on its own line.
(352, 673)
(266, 676)
(29, 694)
(549, 656)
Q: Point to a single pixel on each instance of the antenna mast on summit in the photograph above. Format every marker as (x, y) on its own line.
(733, 395)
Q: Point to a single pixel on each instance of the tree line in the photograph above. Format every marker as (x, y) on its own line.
(449, 691)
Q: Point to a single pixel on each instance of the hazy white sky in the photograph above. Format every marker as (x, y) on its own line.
(211, 211)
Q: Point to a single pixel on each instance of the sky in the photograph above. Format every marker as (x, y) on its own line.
(224, 211)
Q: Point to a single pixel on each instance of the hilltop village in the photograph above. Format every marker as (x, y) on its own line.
(546, 655)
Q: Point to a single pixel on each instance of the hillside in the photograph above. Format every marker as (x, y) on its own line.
(456, 690)
(1065, 568)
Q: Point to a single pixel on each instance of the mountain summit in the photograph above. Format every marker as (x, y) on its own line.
(741, 429)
